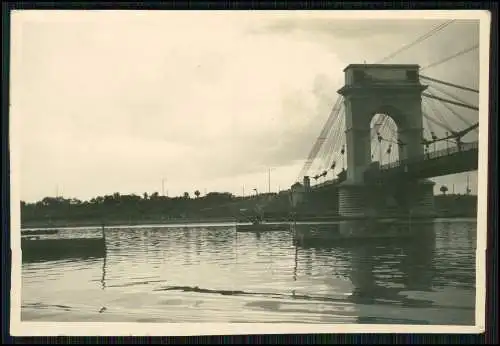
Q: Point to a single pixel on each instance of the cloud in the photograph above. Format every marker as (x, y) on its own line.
(114, 102)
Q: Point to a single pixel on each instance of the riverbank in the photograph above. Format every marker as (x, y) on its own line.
(110, 223)
(118, 210)
(306, 218)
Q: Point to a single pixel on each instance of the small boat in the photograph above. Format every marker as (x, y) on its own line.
(39, 231)
(53, 249)
(263, 227)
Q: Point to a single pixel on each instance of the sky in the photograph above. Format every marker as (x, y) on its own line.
(135, 102)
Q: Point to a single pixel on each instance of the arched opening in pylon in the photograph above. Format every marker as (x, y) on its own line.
(384, 142)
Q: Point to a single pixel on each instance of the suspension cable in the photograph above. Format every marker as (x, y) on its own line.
(327, 143)
(431, 109)
(449, 84)
(457, 114)
(377, 125)
(432, 134)
(435, 122)
(337, 139)
(464, 105)
(380, 120)
(388, 135)
(319, 141)
(337, 130)
(384, 123)
(456, 98)
(456, 55)
(340, 143)
(448, 107)
(422, 38)
(335, 154)
(392, 130)
(429, 125)
(434, 105)
(434, 138)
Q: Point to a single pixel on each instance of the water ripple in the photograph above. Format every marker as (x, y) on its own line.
(214, 274)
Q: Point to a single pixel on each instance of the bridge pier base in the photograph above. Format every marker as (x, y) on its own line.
(353, 200)
(414, 198)
(421, 198)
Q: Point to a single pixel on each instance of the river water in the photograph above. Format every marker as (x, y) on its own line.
(211, 273)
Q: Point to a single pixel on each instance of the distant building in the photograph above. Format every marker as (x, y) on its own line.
(297, 191)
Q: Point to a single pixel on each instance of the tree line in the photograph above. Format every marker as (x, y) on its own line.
(456, 204)
(133, 207)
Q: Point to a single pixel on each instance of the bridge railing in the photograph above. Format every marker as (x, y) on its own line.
(432, 155)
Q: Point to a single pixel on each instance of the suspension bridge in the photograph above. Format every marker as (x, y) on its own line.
(391, 129)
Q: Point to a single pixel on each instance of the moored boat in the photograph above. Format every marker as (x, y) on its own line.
(263, 227)
(36, 232)
(52, 249)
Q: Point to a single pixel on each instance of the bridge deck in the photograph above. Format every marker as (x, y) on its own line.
(433, 164)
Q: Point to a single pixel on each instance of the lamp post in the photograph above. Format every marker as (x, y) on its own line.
(269, 180)
(379, 138)
(434, 139)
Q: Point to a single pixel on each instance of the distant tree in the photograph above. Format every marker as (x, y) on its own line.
(186, 195)
(47, 201)
(197, 193)
(443, 189)
(155, 195)
(145, 195)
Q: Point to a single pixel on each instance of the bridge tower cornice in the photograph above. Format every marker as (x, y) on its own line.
(382, 90)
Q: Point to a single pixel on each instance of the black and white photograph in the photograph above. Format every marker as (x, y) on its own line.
(237, 172)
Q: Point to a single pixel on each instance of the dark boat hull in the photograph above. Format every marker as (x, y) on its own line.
(39, 232)
(40, 250)
(257, 228)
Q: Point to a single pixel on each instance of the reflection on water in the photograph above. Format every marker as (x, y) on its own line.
(306, 274)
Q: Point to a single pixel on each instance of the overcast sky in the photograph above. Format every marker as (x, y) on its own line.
(117, 101)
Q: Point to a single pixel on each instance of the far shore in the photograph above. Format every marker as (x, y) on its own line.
(110, 223)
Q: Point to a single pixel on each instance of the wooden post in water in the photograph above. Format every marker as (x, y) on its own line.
(103, 278)
(409, 220)
(102, 231)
